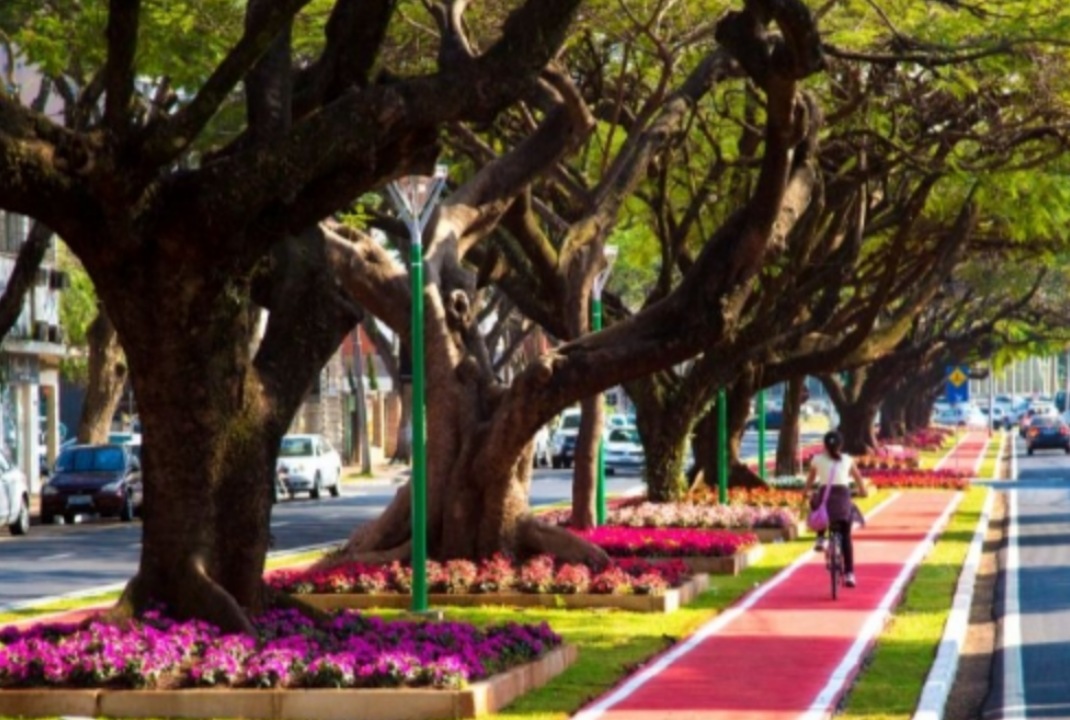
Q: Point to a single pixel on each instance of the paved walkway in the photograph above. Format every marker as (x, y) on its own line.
(788, 650)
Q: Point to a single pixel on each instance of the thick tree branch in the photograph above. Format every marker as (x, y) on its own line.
(23, 276)
(171, 137)
(119, 69)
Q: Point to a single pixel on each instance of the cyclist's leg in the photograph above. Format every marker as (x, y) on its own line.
(844, 529)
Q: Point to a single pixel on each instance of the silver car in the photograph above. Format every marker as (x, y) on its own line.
(14, 498)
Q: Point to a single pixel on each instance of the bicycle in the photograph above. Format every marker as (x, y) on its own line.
(834, 561)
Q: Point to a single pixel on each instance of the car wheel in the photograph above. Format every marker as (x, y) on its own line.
(336, 489)
(69, 518)
(1029, 450)
(21, 526)
(556, 464)
(48, 519)
(611, 471)
(126, 512)
(314, 493)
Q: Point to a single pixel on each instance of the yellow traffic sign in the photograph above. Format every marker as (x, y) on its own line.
(957, 377)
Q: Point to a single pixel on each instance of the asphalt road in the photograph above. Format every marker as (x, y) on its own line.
(62, 560)
(1033, 604)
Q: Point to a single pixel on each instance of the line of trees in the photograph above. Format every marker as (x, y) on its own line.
(795, 194)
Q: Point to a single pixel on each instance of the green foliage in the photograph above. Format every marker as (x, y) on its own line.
(78, 308)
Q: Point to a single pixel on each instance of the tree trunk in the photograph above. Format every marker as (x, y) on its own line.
(787, 447)
(210, 462)
(893, 414)
(856, 426)
(106, 381)
(585, 462)
(403, 447)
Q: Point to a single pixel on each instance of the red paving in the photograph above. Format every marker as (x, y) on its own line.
(774, 659)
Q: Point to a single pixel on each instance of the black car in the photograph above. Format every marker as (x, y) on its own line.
(1048, 432)
(93, 479)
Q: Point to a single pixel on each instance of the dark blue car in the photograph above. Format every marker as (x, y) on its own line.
(1047, 432)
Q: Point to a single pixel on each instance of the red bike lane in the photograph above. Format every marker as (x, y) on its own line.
(788, 650)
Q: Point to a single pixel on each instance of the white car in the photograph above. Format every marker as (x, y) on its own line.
(14, 498)
(308, 463)
(623, 451)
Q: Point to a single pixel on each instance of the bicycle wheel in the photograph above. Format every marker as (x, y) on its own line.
(835, 563)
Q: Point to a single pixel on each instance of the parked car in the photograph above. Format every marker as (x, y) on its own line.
(1048, 432)
(774, 418)
(563, 443)
(308, 463)
(543, 455)
(14, 498)
(93, 479)
(130, 439)
(623, 451)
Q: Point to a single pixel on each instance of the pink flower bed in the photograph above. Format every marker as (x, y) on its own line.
(290, 650)
(698, 515)
(667, 542)
(498, 574)
(924, 479)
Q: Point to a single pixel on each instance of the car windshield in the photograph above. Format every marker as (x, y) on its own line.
(624, 435)
(91, 459)
(1045, 422)
(295, 447)
(570, 421)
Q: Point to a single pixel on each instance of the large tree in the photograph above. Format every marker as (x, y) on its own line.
(183, 242)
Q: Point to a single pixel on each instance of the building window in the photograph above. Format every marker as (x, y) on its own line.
(12, 232)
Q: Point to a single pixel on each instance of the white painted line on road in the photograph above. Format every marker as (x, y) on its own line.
(942, 674)
(280, 523)
(57, 556)
(1014, 460)
(1011, 637)
(90, 592)
(116, 587)
(950, 453)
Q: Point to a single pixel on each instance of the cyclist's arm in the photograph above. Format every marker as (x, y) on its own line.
(860, 482)
(810, 475)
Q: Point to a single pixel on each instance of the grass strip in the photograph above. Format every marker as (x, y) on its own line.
(890, 685)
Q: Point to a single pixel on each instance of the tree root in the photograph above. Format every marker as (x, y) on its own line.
(370, 557)
(273, 598)
(535, 537)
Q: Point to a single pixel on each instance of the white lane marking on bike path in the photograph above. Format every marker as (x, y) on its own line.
(942, 674)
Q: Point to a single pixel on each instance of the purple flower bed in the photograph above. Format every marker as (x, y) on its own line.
(498, 574)
(292, 651)
(667, 542)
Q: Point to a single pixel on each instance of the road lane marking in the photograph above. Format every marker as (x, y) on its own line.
(1013, 682)
(57, 556)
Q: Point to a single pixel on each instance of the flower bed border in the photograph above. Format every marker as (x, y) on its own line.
(673, 599)
(479, 698)
(730, 565)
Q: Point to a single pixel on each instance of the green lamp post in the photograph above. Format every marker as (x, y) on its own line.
(600, 279)
(415, 197)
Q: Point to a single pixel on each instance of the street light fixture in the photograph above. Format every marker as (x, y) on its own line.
(415, 197)
(610, 253)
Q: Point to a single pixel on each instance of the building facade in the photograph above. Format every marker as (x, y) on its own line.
(30, 354)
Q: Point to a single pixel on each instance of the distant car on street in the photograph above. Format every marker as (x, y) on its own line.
(1047, 432)
(623, 451)
(14, 498)
(308, 463)
(93, 480)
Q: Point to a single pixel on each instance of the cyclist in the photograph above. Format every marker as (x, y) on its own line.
(837, 467)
